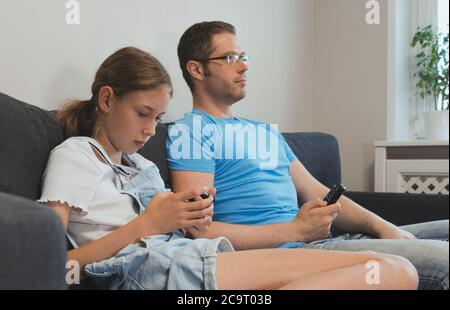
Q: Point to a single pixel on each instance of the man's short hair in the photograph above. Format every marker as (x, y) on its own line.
(196, 43)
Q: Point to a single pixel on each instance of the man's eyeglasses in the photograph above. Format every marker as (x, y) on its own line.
(231, 59)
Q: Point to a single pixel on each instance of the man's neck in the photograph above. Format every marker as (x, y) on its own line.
(212, 107)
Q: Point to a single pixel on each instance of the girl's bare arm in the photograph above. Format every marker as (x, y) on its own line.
(166, 212)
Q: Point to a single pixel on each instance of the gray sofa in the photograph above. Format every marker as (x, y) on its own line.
(32, 243)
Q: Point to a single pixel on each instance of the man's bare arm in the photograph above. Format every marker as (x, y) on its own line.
(351, 218)
(241, 236)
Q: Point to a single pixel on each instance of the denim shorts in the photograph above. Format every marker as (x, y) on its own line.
(161, 262)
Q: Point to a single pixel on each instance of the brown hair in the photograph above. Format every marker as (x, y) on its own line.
(129, 69)
(196, 43)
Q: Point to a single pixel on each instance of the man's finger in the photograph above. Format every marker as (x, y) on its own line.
(315, 203)
(331, 209)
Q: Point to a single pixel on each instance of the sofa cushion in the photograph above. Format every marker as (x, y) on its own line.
(27, 135)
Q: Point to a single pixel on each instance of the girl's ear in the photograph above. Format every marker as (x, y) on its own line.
(196, 70)
(105, 99)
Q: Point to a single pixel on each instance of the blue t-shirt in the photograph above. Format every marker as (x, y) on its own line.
(250, 161)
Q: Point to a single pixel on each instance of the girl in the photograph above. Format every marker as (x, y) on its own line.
(100, 187)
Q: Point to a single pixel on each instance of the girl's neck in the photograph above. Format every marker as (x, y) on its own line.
(114, 154)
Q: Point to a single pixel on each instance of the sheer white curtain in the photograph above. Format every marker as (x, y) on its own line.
(443, 9)
(423, 12)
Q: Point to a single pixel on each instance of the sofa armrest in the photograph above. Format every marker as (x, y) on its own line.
(32, 242)
(403, 209)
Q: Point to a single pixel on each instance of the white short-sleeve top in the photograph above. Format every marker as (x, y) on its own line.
(74, 175)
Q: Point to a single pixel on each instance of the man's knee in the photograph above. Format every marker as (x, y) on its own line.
(434, 265)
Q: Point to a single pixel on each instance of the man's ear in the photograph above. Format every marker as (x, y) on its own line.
(196, 70)
(105, 99)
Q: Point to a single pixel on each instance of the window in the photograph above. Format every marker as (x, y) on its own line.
(405, 111)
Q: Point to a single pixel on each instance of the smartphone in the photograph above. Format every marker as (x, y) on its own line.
(335, 193)
(203, 196)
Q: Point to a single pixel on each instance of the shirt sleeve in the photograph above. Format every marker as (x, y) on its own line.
(70, 177)
(189, 151)
(289, 153)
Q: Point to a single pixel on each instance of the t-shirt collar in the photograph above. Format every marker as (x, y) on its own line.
(97, 146)
(199, 111)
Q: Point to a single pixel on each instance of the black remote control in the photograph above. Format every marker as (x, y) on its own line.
(335, 193)
(203, 196)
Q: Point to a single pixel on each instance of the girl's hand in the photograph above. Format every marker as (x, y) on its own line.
(168, 212)
(200, 230)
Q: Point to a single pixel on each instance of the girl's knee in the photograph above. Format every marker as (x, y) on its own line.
(401, 272)
(395, 272)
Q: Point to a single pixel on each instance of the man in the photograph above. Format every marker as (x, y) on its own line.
(256, 201)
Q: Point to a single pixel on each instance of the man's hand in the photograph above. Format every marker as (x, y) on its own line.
(394, 232)
(314, 220)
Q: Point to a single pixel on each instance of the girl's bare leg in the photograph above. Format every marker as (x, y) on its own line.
(348, 278)
(311, 269)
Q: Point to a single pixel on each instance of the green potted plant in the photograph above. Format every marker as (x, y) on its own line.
(431, 77)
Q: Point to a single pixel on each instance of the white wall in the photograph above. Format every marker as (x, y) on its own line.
(44, 61)
(350, 85)
(315, 64)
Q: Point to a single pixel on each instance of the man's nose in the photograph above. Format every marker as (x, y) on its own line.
(243, 66)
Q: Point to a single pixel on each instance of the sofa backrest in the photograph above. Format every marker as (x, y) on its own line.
(319, 153)
(28, 134)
